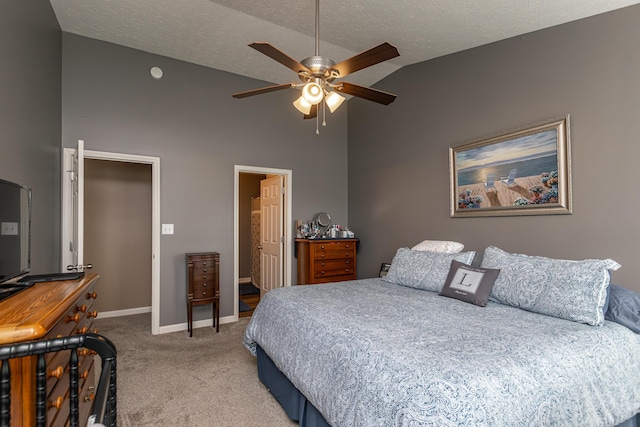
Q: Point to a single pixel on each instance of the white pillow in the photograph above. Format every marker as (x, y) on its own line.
(441, 246)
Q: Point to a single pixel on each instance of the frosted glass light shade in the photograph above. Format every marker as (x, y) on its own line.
(334, 100)
(312, 93)
(302, 105)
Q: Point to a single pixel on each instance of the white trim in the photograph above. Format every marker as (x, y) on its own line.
(244, 280)
(155, 219)
(288, 245)
(126, 312)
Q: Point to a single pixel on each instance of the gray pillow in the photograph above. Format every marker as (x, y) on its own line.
(624, 307)
(469, 284)
(423, 270)
(572, 290)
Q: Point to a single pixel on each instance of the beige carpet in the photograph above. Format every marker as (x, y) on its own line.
(173, 380)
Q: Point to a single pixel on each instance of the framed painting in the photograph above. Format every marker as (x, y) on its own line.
(521, 172)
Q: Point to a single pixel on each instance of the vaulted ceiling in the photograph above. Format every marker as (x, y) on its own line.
(215, 33)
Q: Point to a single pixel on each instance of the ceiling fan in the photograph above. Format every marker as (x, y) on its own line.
(318, 76)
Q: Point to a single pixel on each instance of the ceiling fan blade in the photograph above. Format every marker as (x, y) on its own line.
(313, 113)
(262, 90)
(366, 59)
(279, 56)
(367, 93)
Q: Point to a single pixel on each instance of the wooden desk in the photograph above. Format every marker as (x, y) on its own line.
(49, 310)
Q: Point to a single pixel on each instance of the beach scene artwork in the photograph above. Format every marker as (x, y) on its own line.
(515, 173)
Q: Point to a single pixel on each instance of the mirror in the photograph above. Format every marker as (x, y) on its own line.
(324, 222)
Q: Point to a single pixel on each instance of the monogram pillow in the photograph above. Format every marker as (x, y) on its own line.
(469, 284)
(572, 290)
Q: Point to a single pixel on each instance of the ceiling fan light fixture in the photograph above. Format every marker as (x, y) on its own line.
(312, 93)
(302, 105)
(333, 101)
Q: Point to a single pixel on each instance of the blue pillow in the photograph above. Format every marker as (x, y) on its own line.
(624, 307)
(572, 290)
(423, 270)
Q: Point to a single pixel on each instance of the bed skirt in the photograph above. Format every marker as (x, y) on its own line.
(298, 408)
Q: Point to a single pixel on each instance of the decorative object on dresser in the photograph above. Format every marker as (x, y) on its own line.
(203, 279)
(326, 260)
(55, 311)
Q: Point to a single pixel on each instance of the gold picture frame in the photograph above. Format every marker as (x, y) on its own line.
(522, 172)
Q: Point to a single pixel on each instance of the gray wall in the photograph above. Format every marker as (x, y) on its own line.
(30, 114)
(398, 156)
(117, 232)
(191, 122)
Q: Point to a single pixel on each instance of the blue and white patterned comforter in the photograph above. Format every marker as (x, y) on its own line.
(370, 353)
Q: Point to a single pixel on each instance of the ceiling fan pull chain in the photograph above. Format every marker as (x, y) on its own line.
(317, 121)
(324, 112)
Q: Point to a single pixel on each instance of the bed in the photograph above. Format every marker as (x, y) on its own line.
(372, 352)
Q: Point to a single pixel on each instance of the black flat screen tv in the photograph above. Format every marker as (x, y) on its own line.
(15, 230)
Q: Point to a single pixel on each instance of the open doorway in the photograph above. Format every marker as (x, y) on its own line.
(257, 265)
(72, 223)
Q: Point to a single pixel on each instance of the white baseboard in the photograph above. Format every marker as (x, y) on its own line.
(197, 324)
(127, 312)
(244, 280)
(164, 329)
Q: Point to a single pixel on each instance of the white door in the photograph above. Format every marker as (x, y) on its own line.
(73, 224)
(271, 236)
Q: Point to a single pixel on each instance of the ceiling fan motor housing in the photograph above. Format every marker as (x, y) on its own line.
(319, 67)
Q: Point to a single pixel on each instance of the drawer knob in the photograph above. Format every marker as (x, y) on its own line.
(322, 247)
(81, 308)
(93, 314)
(204, 285)
(57, 373)
(83, 330)
(84, 375)
(75, 318)
(322, 264)
(91, 295)
(56, 403)
(346, 262)
(347, 246)
(84, 352)
(204, 277)
(322, 272)
(322, 256)
(204, 293)
(347, 270)
(89, 397)
(204, 270)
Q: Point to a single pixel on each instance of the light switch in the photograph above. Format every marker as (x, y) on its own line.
(9, 229)
(167, 228)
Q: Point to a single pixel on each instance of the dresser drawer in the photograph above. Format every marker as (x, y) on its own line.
(335, 267)
(334, 250)
(331, 279)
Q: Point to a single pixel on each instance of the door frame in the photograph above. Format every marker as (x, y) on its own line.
(287, 249)
(67, 222)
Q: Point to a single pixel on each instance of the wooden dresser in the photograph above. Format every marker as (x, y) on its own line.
(50, 310)
(326, 260)
(203, 282)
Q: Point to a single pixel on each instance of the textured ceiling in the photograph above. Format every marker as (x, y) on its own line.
(216, 33)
